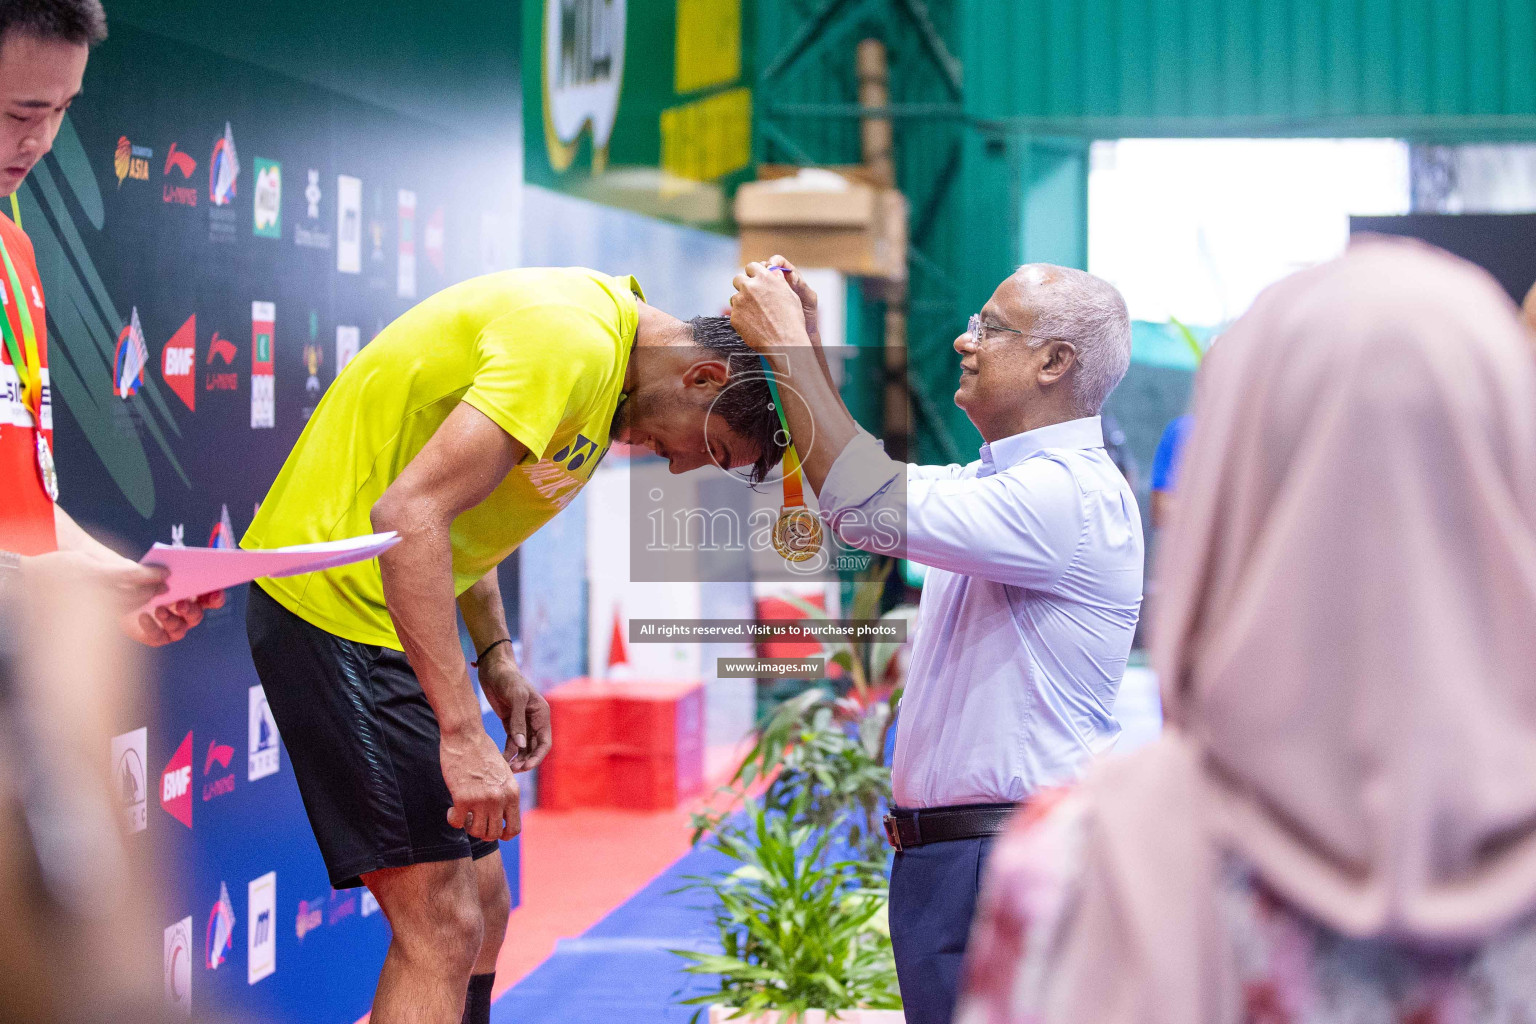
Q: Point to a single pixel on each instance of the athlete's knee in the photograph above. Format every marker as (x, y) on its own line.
(449, 933)
(434, 911)
(495, 907)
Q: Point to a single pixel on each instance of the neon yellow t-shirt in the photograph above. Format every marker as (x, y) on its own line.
(541, 352)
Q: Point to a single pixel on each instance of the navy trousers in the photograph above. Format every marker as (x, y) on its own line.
(933, 899)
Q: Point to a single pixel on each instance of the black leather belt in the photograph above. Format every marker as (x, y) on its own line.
(906, 829)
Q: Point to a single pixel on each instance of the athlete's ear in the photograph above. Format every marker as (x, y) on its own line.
(712, 373)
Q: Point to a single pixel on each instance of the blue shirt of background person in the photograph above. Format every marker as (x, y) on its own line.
(1165, 468)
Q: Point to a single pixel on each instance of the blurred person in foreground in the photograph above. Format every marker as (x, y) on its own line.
(1035, 570)
(44, 46)
(1339, 823)
(465, 426)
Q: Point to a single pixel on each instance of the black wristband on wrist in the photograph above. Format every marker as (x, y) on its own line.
(488, 650)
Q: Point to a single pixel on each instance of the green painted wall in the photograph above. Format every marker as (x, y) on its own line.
(1115, 68)
(1042, 78)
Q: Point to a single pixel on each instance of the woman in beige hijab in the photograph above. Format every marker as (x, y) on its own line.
(1339, 824)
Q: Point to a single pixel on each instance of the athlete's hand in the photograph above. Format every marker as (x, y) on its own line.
(766, 311)
(519, 705)
(807, 295)
(485, 793)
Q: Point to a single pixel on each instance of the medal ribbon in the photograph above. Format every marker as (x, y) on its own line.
(30, 368)
(794, 493)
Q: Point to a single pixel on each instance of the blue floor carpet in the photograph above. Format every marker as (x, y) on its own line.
(620, 970)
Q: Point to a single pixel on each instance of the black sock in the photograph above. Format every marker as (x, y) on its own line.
(477, 1003)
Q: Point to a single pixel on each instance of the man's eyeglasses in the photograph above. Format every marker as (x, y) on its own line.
(976, 326)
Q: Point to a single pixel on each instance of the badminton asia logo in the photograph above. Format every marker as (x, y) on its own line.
(583, 69)
(129, 360)
(130, 161)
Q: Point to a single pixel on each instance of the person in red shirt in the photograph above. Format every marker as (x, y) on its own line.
(44, 45)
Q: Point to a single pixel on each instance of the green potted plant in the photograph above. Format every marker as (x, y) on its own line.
(803, 935)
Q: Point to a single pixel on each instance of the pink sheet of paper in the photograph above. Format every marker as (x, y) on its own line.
(197, 571)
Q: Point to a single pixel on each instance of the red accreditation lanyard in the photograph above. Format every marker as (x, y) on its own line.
(28, 362)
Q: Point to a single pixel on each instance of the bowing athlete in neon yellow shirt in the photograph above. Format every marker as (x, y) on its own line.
(465, 425)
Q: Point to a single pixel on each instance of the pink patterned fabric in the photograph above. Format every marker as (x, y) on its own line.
(1290, 969)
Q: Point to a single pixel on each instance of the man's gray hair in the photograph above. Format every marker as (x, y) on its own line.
(1090, 313)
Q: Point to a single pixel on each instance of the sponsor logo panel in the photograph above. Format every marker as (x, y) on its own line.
(178, 967)
(223, 533)
(263, 758)
(130, 778)
(349, 224)
(405, 275)
(176, 784)
(267, 206)
(221, 375)
(432, 238)
(261, 927)
(223, 186)
(130, 358)
(263, 383)
(131, 162)
(178, 363)
(218, 780)
(347, 339)
(219, 937)
(177, 189)
(309, 233)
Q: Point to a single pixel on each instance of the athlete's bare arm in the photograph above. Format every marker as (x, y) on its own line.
(459, 467)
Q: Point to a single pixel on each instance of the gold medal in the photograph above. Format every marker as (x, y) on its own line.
(797, 534)
(46, 468)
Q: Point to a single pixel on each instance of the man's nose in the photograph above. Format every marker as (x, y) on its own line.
(965, 344)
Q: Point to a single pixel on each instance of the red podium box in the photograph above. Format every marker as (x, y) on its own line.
(633, 743)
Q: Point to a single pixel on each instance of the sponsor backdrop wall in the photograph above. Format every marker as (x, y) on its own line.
(216, 240)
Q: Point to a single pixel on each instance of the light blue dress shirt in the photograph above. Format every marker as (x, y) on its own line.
(1035, 563)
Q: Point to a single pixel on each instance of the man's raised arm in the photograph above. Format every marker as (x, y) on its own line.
(466, 459)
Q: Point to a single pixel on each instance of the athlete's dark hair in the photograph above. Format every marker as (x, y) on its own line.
(745, 404)
(69, 21)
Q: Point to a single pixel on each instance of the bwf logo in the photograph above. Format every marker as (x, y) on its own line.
(176, 784)
(263, 756)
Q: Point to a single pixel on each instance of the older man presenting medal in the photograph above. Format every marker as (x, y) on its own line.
(1035, 565)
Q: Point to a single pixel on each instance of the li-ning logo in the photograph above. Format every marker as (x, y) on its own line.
(222, 782)
(182, 163)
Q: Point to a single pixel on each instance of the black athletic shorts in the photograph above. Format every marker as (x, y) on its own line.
(363, 742)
